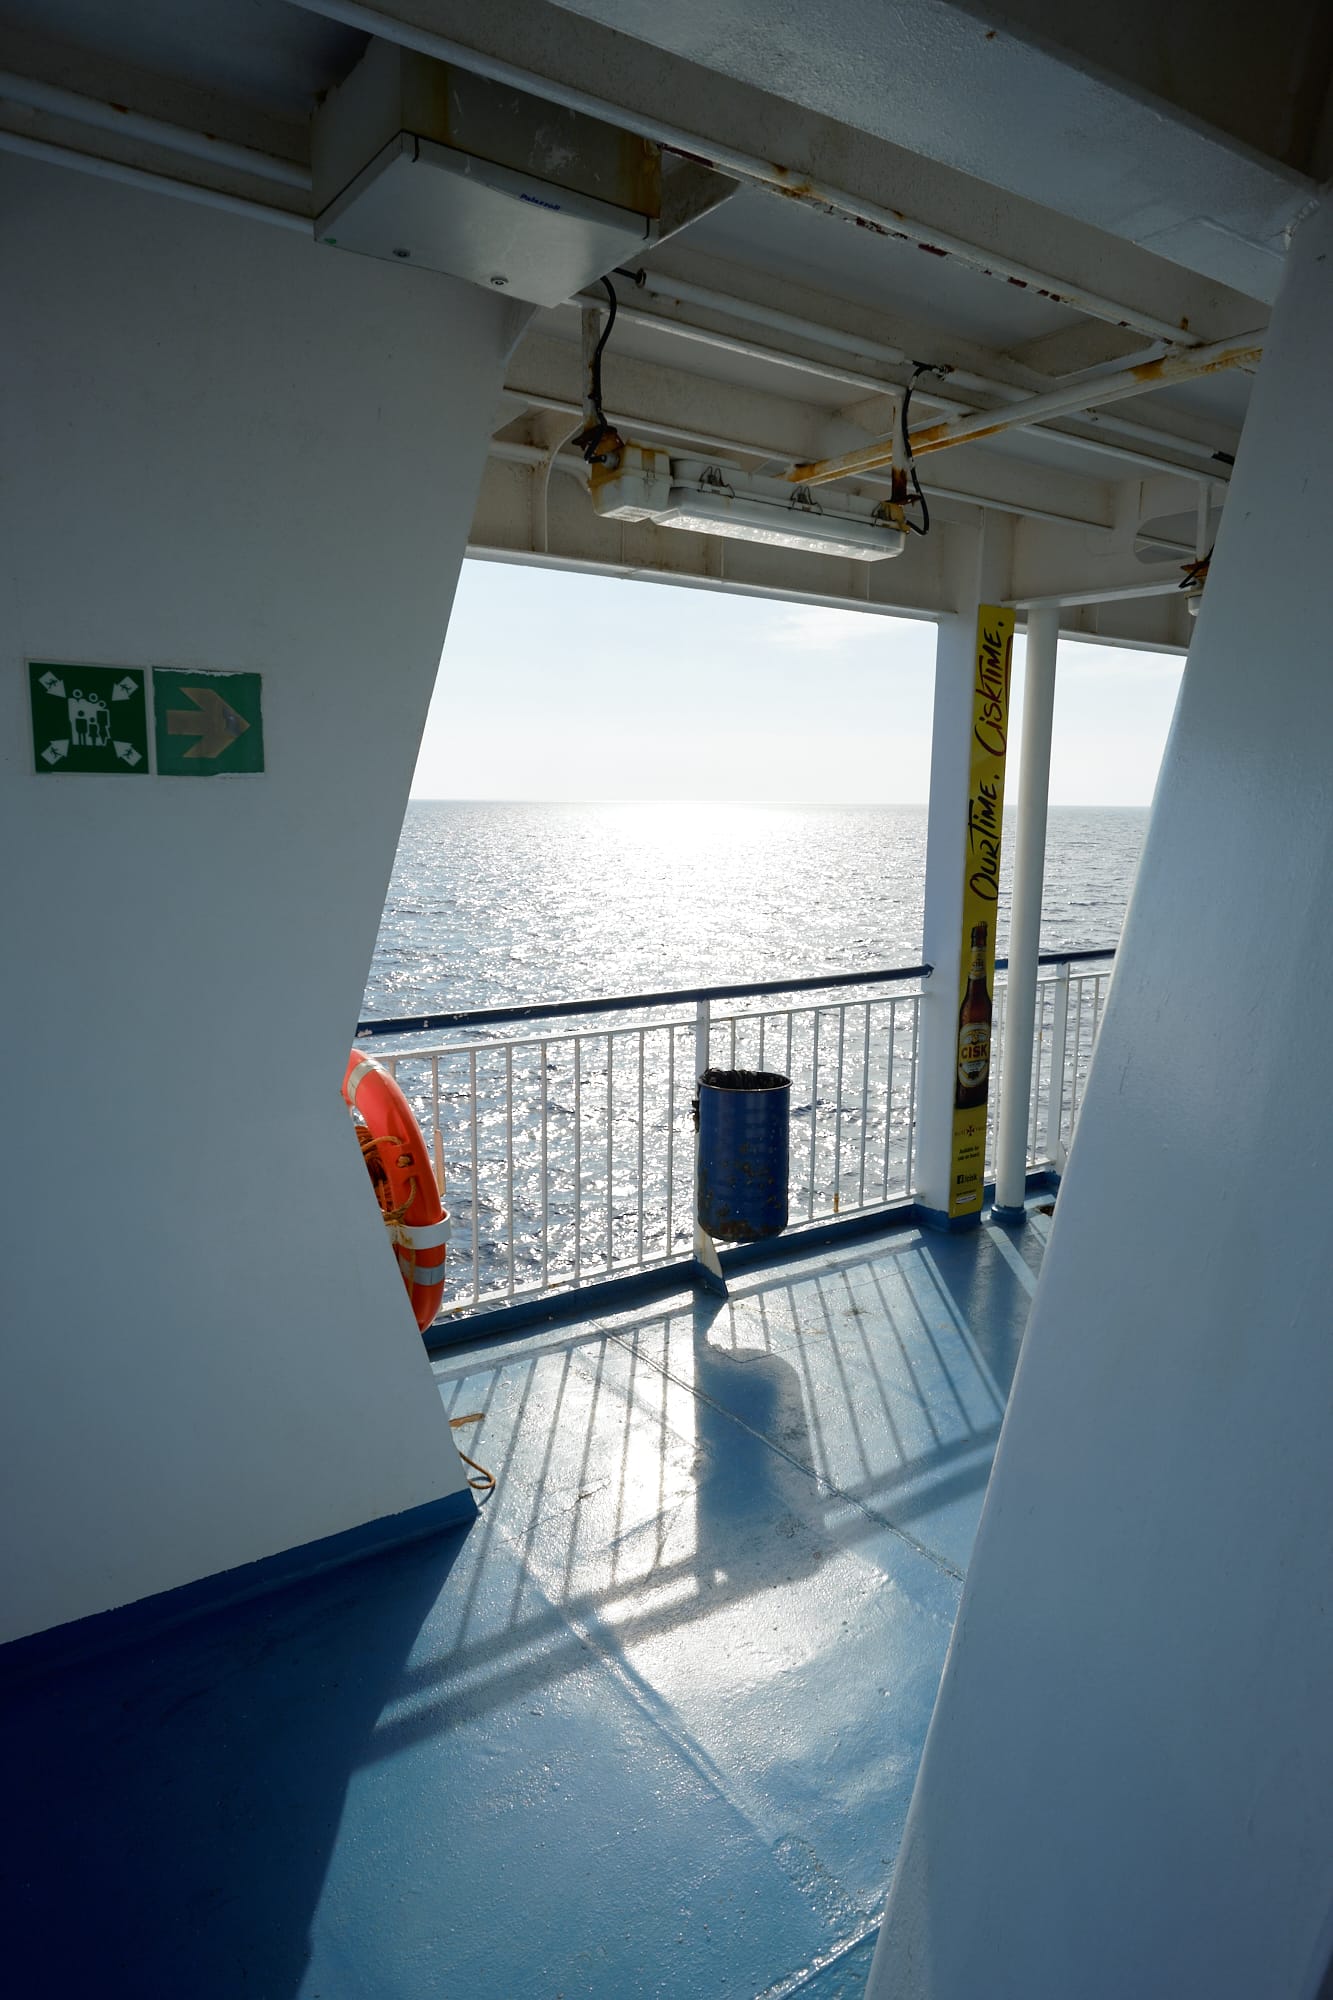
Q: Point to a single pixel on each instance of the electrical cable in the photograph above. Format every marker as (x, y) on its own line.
(594, 433)
(1196, 572)
(921, 527)
(566, 437)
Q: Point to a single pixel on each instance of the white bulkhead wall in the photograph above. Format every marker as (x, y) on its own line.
(227, 449)
(1128, 1783)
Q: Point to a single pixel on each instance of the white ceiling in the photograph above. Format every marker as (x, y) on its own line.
(990, 156)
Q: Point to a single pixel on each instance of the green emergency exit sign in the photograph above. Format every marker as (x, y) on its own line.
(88, 718)
(207, 725)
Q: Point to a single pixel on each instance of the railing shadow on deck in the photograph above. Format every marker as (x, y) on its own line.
(688, 1458)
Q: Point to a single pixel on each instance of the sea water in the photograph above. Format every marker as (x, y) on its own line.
(567, 1145)
(496, 904)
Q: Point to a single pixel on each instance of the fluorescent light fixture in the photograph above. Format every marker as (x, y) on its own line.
(711, 510)
(709, 499)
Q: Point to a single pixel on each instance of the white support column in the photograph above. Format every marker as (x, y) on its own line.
(1020, 1006)
(982, 578)
(1127, 1787)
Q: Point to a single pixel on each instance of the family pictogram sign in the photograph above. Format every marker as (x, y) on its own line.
(87, 718)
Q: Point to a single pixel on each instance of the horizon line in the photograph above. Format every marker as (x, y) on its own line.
(872, 805)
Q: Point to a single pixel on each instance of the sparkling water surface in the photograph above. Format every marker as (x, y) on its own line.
(566, 1146)
(495, 904)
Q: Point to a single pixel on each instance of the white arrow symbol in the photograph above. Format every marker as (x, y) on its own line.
(53, 685)
(127, 753)
(123, 689)
(55, 751)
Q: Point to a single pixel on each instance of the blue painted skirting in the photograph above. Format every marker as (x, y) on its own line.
(609, 1295)
(940, 1220)
(1040, 1180)
(639, 1287)
(148, 1617)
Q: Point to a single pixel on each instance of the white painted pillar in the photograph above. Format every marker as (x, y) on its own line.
(982, 578)
(1127, 1786)
(1020, 1004)
(231, 448)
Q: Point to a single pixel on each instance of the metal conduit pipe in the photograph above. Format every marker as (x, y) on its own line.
(1066, 600)
(139, 177)
(875, 385)
(744, 166)
(530, 454)
(1240, 351)
(754, 350)
(197, 145)
(136, 125)
(102, 168)
(286, 173)
(560, 460)
(100, 116)
(1237, 352)
(769, 591)
(1216, 461)
(872, 385)
(684, 293)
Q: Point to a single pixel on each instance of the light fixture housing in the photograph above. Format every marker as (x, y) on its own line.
(743, 518)
(709, 499)
(418, 160)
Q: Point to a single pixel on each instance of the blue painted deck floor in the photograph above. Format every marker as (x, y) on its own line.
(649, 1728)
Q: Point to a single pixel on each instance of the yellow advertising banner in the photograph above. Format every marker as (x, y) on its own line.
(981, 895)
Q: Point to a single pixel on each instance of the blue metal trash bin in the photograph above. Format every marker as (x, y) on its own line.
(744, 1119)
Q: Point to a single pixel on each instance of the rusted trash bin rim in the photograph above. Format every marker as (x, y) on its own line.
(744, 1079)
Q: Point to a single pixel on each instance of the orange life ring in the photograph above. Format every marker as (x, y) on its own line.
(404, 1181)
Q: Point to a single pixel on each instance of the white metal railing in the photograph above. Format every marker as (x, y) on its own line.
(567, 1156)
(1071, 998)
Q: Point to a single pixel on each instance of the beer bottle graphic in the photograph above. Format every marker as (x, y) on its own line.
(974, 1022)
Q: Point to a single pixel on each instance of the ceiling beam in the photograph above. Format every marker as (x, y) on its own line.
(703, 299)
(511, 525)
(960, 84)
(729, 123)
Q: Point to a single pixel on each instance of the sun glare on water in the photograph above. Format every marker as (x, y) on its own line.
(690, 829)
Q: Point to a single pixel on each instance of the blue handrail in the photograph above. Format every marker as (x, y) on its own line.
(539, 1010)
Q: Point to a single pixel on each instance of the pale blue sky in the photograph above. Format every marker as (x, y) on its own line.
(561, 686)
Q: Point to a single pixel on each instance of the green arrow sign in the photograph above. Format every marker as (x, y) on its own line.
(207, 725)
(88, 718)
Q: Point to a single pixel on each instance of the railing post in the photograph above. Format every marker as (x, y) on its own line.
(1011, 1143)
(705, 1250)
(511, 1169)
(703, 1027)
(1055, 1107)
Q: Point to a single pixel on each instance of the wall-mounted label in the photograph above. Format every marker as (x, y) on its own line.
(981, 894)
(207, 725)
(88, 718)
